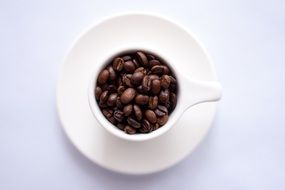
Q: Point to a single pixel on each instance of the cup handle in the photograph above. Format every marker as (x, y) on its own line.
(196, 91)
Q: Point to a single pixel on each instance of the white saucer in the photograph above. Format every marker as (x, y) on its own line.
(94, 141)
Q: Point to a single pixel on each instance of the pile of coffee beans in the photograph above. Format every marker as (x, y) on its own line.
(136, 92)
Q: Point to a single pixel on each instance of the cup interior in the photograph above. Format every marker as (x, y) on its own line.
(106, 59)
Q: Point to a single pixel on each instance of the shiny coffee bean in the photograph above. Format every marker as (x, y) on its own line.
(136, 63)
(127, 58)
(103, 76)
(161, 111)
(119, 103)
(132, 122)
(119, 115)
(107, 112)
(112, 120)
(165, 81)
(98, 92)
(128, 109)
(129, 66)
(111, 88)
(150, 57)
(173, 84)
(146, 83)
(166, 70)
(130, 130)
(155, 86)
(104, 96)
(154, 63)
(146, 127)
(162, 120)
(121, 89)
(127, 80)
(155, 126)
(136, 78)
(173, 100)
(153, 77)
(138, 112)
(142, 58)
(141, 70)
(128, 95)
(121, 126)
(112, 99)
(152, 103)
(140, 89)
(158, 69)
(141, 99)
(112, 73)
(118, 64)
(150, 116)
(164, 96)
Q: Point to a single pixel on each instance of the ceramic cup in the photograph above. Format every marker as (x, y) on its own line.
(190, 92)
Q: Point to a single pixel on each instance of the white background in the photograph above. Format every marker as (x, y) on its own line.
(245, 149)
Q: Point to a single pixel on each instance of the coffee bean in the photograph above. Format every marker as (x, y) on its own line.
(153, 77)
(104, 96)
(150, 116)
(162, 120)
(121, 126)
(133, 123)
(155, 86)
(128, 95)
(112, 99)
(129, 130)
(154, 63)
(121, 89)
(155, 126)
(118, 64)
(140, 89)
(138, 112)
(119, 103)
(141, 70)
(127, 80)
(142, 58)
(129, 66)
(146, 83)
(165, 81)
(173, 100)
(98, 92)
(166, 70)
(103, 76)
(173, 84)
(141, 99)
(137, 78)
(164, 96)
(107, 112)
(136, 63)
(152, 103)
(127, 58)
(119, 115)
(150, 57)
(111, 88)
(146, 127)
(112, 73)
(128, 109)
(157, 69)
(112, 120)
(161, 111)
(103, 105)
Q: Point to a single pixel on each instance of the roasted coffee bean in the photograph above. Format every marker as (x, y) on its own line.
(112, 120)
(142, 58)
(154, 63)
(165, 81)
(146, 127)
(152, 103)
(103, 77)
(112, 99)
(158, 69)
(136, 92)
(150, 116)
(162, 120)
(107, 112)
(161, 111)
(130, 130)
(98, 92)
(146, 83)
(112, 73)
(138, 112)
(133, 123)
(155, 86)
(129, 66)
(127, 58)
(121, 89)
(104, 96)
(127, 80)
(121, 126)
(150, 57)
(153, 77)
(164, 96)
(141, 99)
(128, 109)
(137, 78)
(141, 70)
(118, 64)
(173, 100)
(119, 115)
(128, 95)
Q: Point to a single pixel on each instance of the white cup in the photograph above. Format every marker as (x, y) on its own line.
(190, 92)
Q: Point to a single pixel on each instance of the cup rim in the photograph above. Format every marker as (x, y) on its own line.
(97, 113)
